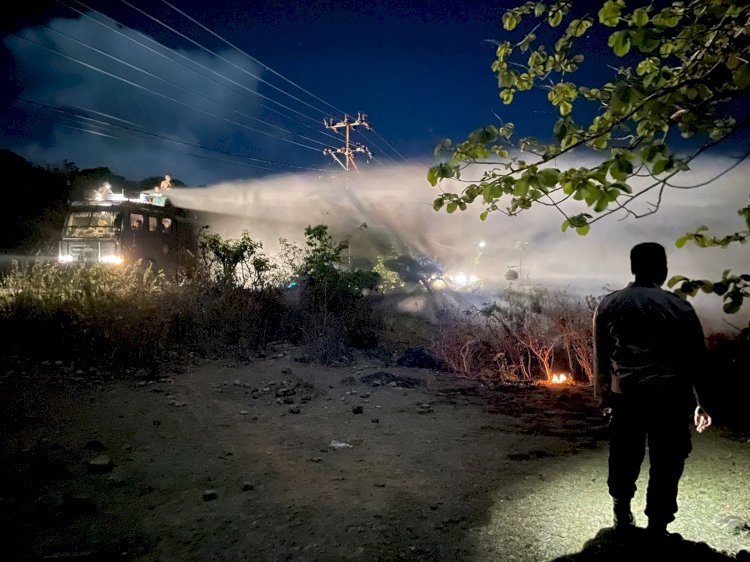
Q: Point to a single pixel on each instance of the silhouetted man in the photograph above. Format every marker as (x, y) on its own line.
(648, 362)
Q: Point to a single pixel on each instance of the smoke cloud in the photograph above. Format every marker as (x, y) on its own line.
(390, 210)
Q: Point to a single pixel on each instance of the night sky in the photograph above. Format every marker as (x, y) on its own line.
(104, 82)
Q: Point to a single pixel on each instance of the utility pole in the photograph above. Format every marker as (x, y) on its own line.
(349, 149)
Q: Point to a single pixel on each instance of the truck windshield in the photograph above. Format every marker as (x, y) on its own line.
(90, 224)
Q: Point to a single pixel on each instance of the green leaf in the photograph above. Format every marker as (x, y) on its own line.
(432, 176)
(451, 207)
(620, 42)
(732, 307)
(620, 169)
(682, 240)
(707, 286)
(609, 13)
(583, 230)
(555, 18)
(601, 205)
(640, 17)
(510, 21)
(522, 187)
(675, 279)
(720, 288)
(741, 77)
(549, 177)
(506, 96)
(483, 215)
(565, 108)
(661, 164)
(444, 144)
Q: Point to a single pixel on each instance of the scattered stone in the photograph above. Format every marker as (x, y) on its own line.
(383, 378)
(357, 410)
(118, 477)
(209, 495)
(286, 371)
(100, 464)
(95, 445)
(247, 486)
(244, 412)
(315, 459)
(294, 410)
(339, 445)
(288, 400)
(375, 420)
(425, 409)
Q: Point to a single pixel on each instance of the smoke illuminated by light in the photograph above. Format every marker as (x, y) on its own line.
(389, 209)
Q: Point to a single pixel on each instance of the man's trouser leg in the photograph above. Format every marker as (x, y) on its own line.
(669, 445)
(627, 447)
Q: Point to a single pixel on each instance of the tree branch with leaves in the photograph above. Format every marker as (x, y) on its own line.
(684, 74)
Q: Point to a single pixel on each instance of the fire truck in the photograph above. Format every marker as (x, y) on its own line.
(113, 229)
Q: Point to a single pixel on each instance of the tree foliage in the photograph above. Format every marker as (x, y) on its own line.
(684, 74)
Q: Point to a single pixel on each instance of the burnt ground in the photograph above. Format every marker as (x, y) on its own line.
(275, 459)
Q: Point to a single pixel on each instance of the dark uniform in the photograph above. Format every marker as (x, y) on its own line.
(648, 359)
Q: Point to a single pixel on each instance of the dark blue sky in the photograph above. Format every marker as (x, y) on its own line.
(419, 70)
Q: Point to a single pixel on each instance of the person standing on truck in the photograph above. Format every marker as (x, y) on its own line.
(104, 192)
(165, 184)
(649, 354)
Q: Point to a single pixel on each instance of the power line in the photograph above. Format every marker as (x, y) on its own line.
(193, 62)
(159, 78)
(347, 152)
(252, 58)
(173, 30)
(139, 86)
(166, 138)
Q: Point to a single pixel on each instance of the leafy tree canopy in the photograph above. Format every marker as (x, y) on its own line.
(684, 78)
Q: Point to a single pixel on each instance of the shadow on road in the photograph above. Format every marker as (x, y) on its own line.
(614, 546)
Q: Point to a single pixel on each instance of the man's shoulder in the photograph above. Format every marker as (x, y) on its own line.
(613, 296)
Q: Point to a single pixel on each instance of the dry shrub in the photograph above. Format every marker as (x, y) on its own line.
(523, 337)
(128, 318)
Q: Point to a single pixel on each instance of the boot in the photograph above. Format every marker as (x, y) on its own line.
(623, 515)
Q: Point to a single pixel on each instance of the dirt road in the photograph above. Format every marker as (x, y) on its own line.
(281, 460)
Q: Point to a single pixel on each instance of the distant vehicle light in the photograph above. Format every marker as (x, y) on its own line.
(460, 279)
(114, 260)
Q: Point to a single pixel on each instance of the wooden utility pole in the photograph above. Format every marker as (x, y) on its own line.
(349, 149)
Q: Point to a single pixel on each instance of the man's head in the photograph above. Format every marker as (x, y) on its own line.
(648, 262)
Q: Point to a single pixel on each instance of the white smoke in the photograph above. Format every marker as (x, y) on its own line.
(395, 204)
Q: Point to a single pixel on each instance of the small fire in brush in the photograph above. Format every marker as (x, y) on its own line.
(560, 378)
